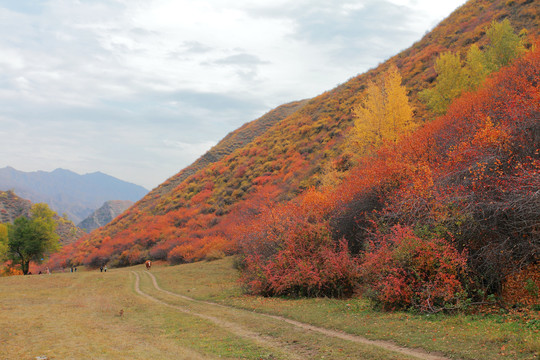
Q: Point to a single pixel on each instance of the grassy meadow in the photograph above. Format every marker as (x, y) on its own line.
(120, 314)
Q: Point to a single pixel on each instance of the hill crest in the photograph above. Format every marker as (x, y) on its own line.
(105, 214)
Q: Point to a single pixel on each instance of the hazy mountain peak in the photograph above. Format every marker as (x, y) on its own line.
(68, 192)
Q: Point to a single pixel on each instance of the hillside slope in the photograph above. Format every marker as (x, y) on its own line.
(67, 192)
(234, 140)
(105, 214)
(188, 218)
(13, 206)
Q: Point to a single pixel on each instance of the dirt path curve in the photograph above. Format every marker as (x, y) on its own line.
(419, 353)
(236, 329)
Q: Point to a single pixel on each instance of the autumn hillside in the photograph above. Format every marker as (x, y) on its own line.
(190, 217)
(13, 206)
(227, 145)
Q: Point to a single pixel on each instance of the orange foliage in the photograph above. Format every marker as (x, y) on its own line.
(523, 287)
(271, 159)
(471, 176)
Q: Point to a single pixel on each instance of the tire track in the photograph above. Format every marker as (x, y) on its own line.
(234, 328)
(387, 345)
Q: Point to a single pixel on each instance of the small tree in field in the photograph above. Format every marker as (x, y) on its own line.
(30, 239)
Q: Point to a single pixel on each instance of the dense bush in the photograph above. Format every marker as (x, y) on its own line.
(288, 250)
(402, 270)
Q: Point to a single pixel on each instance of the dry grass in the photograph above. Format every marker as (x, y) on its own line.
(462, 336)
(93, 315)
(283, 340)
(77, 316)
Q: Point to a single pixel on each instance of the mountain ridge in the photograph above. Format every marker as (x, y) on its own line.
(105, 214)
(68, 192)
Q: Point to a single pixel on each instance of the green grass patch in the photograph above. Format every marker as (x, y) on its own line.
(458, 335)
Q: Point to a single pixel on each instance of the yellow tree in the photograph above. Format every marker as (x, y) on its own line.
(453, 78)
(504, 45)
(476, 67)
(385, 114)
(451, 81)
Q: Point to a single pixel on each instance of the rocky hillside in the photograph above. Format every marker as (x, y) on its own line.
(69, 193)
(12, 206)
(105, 214)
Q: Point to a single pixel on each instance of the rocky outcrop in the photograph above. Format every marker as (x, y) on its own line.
(13, 206)
(105, 214)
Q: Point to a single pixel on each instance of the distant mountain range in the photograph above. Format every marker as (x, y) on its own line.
(105, 214)
(69, 193)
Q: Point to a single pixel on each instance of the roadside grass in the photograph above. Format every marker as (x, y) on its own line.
(293, 342)
(78, 316)
(202, 335)
(463, 336)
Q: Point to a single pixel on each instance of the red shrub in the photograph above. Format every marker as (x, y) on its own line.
(402, 270)
(289, 250)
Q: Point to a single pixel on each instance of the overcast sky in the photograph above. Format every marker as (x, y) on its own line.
(139, 89)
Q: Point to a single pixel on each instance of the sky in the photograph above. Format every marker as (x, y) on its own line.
(139, 89)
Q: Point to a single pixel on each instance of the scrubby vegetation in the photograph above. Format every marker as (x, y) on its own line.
(307, 203)
(436, 219)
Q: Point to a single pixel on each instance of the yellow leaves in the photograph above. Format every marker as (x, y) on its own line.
(453, 77)
(451, 80)
(504, 45)
(385, 114)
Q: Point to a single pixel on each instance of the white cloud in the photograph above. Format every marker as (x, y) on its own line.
(141, 88)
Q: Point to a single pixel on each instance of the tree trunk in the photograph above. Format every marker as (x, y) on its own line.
(25, 265)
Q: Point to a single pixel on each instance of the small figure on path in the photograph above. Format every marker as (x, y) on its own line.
(105, 268)
(101, 268)
(148, 264)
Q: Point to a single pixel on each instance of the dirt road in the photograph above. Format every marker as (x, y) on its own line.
(229, 318)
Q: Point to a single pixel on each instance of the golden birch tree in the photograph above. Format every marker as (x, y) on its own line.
(385, 114)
